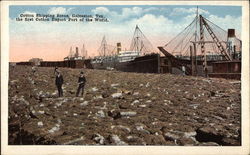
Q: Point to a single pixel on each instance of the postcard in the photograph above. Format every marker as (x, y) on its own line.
(125, 77)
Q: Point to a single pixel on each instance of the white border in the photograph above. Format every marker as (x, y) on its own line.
(244, 149)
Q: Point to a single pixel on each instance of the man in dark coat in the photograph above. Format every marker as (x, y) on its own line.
(59, 82)
(81, 84)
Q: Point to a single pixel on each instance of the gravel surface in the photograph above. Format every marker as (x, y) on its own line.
(122, 109)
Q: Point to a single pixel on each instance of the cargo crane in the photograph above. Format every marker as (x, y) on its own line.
(200, 38)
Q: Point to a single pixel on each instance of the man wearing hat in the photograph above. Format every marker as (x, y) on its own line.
(59, 82)
(81, 83)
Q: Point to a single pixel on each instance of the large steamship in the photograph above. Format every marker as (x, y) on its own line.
(141, 50)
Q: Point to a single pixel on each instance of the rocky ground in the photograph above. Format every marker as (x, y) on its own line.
(122, 109)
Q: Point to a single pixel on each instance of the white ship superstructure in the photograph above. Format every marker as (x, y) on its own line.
(125, 56)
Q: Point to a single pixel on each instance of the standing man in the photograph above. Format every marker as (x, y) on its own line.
(59, 82)
(81, 83)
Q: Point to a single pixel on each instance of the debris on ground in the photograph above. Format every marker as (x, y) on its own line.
(120, 108)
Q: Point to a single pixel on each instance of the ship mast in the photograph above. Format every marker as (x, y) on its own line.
(140, 43)
(105, 49)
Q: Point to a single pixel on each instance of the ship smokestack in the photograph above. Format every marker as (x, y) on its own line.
(231, 33)
(231, 42)
(77, 54)
(119, 47)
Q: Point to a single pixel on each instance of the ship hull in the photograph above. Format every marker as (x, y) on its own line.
(143, 64)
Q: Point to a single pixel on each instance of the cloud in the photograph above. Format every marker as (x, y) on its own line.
(134, 11)
(101, 10)
(29, 12)
(152, 20)
(59, 10)
(181, 11)
(138, 11)
(112, 15)
(227, 22)
(158, 29)
(153, 9)
(125, 13)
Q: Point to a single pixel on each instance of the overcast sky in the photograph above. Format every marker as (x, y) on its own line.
(160, 23)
